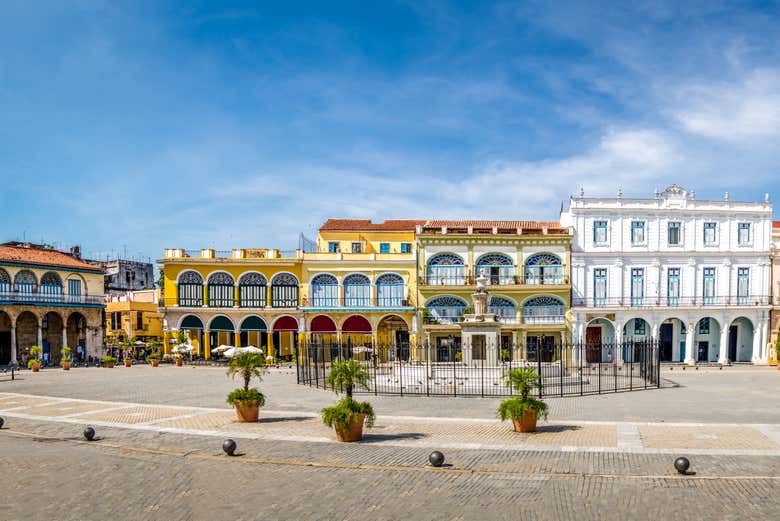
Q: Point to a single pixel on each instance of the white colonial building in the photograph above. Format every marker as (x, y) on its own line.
(693, 275)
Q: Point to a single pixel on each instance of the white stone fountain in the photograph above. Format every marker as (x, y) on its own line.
(480, 331)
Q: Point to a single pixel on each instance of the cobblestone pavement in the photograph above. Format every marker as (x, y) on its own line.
(162, 476)
(704, 395)
(158, 454)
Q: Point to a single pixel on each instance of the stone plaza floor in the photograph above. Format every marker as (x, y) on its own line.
(159, 456)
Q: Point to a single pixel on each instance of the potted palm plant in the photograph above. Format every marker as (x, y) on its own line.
(153, 358)
(777, 352)
(523, 409)
(109, 361)
(34, 362)
(65, 362)
(348, 416)
(246, 401)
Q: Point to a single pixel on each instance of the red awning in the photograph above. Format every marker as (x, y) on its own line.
(286, 324)
(322, 324)
(356, 324)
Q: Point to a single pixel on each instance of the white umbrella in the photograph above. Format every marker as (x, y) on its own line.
(222, 348)
(252, 349)
(183, 348)
(234, 351)
(361, 349)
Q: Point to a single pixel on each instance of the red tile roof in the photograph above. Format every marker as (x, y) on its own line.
(775, 224)
(552, 226)
(43, 257)
(365, 225)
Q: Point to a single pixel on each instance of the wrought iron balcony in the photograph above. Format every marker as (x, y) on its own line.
(505, 276)
(17, 297)
(671, 302)
(356, 302)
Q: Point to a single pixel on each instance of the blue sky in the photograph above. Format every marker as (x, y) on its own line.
(135, 126)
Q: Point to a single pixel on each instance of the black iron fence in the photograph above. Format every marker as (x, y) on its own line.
(429, 370)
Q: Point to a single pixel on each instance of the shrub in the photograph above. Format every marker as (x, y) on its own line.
(522, 381)
(341, 414)
(34, 351)
(66, 352)
(246, 396)
(32, 362)
(109, 359)
(346, 375)
(153, 356)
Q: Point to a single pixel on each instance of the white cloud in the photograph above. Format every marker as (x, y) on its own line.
(736, 112)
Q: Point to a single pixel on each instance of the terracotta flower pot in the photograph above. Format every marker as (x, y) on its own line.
(179, 362)
(355, 430)
(154, 362)
(128, 362)
(65, 365)
(527, 423)
(36, 368)
(110, 365)
(778, 366)
(247, 412)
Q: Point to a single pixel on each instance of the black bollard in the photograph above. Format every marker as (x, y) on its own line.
(436, 458)
(2, 421)
(89, 433)
(229, 446)
(682, 465)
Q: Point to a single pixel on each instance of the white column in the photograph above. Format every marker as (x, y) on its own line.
(723, 355)
(64, 336)
(617, 356)
(689, 332)
(40, 338)
(13, 344)
(756, 358)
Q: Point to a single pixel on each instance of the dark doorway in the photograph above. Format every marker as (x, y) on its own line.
(541, 348)
(733, 330)
(447, 348)
(593, 344)
(704, 349)
(667, 333)
(5, 347)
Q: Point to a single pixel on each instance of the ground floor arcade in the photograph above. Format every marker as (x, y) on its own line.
(51, 328)
(683, 336)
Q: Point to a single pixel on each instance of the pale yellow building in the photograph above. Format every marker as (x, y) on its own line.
(134, 315)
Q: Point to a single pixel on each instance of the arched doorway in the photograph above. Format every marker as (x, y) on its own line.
(253, 332)
(26, 335)
(706, 338)
(52, 327)
(392, 335)
(356, 331)
(191, 331)
(5, 338)
(671, 340)
(323, 330)
(599, 341)
(77, 333)
(285, 337)
(636, 333)
(221, 332)
(741, 333)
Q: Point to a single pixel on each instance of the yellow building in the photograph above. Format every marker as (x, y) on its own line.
(48, 298)
(527, 266)
(134, 314)
(359, 287)
(238, 297)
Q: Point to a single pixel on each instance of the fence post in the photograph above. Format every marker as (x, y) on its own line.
(561, 356)
(400, 372)
(482, 376)
(601, 356)
(539, 368)
(579, 357)
(316, 369)
(454, 375)
(657, 354)
(428, 370)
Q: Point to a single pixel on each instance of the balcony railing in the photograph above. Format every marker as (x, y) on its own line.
(462, 276)
(655, 302)
(544, 315)
(15, 297)
(355, 302)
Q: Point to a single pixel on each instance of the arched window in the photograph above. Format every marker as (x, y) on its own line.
(357, 291)
(190, 289)
(252, 290)
(221, 290)
(390, 291)
(500, 268)
(284, 291)
(543, 268)
(445, 310)
(324, 291)
(51, 286)
(503, 308)
(5, 281)
(544, 310)
(26, 284)
(446, 269)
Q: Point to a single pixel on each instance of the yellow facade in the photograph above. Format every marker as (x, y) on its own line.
(134, 315)
(241, 297)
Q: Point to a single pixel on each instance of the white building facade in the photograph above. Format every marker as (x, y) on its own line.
(693, 275)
